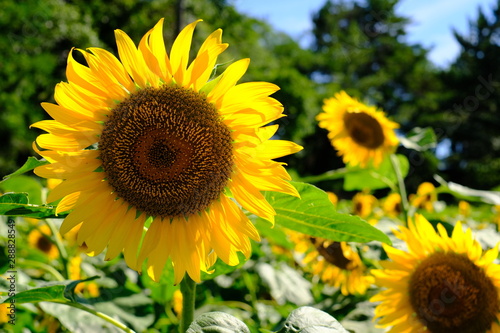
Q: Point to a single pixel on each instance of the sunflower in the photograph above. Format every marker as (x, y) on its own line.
(359, 132)
(425, 197)
(335, 263)
(363, 204)
(392, 205)
(40, 239)
(440, 284)
(148, 140)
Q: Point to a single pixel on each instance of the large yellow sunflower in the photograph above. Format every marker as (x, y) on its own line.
(359, 132)
(335, 263)
(441, 284)
(149, 140)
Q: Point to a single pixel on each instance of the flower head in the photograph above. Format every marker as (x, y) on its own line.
(425, 197)
(363, 204)
(40, 239)
(359, 132)
(440, 284)
(392, 205)
(336, 263)
(148, 140)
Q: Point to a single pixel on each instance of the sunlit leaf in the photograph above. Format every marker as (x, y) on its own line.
(314, 214)
(217, 322)
(61, 292)
(467, 193)
(29, 165)
(307, 319)
(162, 291)
(375, 178)
(16, 204)
(420, 139)
(285, 283)
(76, 320)
(220, 268)
(24, 184)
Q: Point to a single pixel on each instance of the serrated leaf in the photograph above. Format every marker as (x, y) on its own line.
(420, 139)
(314, 214)
(62, 292)
(30, 164)
(16, 204)
(217, 322)
(375, 178)
(307, 319)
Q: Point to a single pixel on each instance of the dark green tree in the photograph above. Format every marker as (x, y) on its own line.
(36, 37)
(470, 109)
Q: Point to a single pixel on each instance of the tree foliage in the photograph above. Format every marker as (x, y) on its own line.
(359, 46)
(469, 113)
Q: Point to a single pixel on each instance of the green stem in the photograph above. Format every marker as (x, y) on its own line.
(41, 265)
(329, 175)
(100, 315)
(60, 246)
(188, 290)
(401, 186)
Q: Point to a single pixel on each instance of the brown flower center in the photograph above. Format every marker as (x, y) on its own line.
(332, 252)
(365, 130)
(166, 151)
(44, 244)
(450, 294)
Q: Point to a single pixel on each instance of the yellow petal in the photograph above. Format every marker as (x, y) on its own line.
(228, 80)
(132, 59)
(277, 148)
(202, 66)
(250, 198)
(152, 47)
(179, 54)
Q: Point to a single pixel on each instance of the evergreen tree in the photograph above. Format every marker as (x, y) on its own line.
(470, 109)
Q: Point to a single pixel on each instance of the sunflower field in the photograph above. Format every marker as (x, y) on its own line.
(178, 166)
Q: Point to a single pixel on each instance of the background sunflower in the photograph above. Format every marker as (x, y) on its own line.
(359, 132)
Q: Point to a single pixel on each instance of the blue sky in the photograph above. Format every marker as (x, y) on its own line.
(431, 20)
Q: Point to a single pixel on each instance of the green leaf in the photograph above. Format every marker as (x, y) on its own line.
(25, 184)
(29, 165)
(16, 204)
(314, 214)
(14, 198)
(420, 139)
(375, 178)
(76, 320)
(467, 193)
(285, 283)
(220, 268)
(307, 319)
(217, 322)
(162, 291)
(62, 292)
